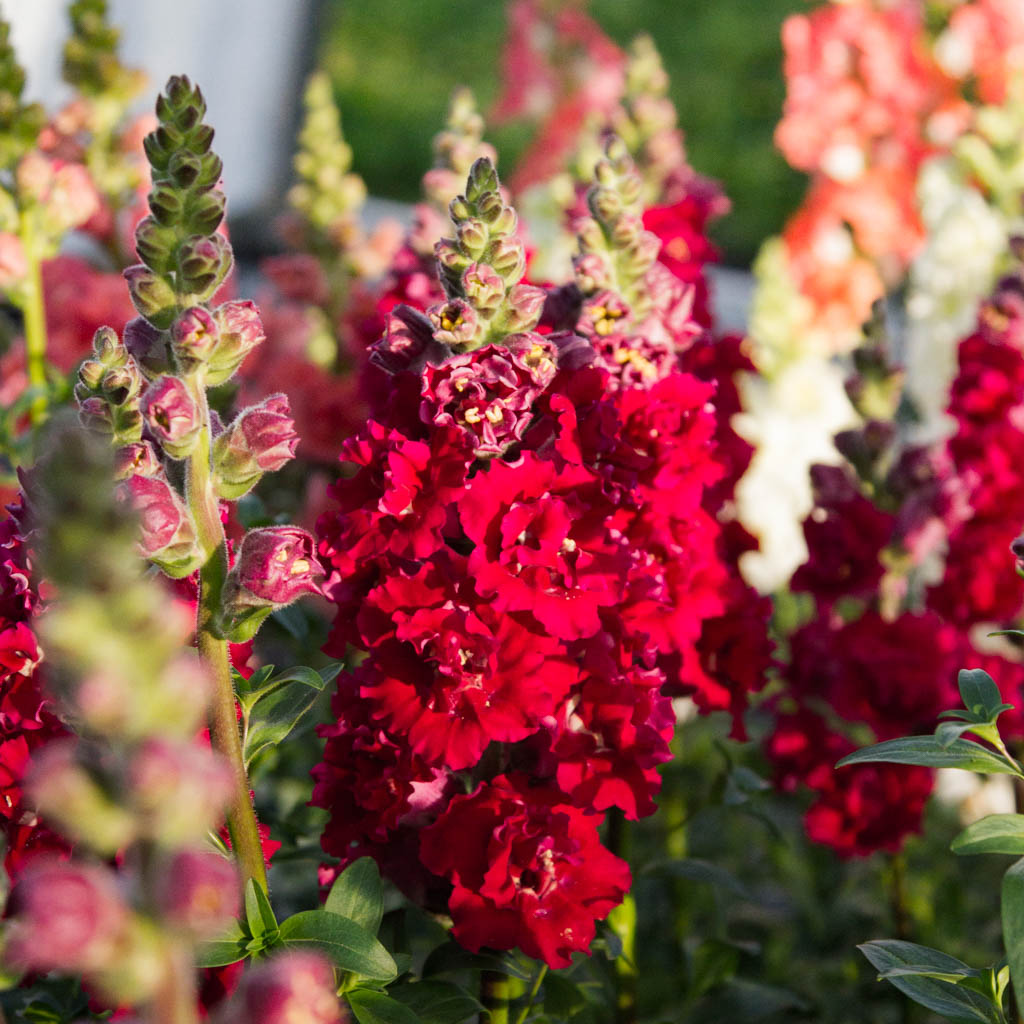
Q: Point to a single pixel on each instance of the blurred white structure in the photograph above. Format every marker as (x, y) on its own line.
(248, 57)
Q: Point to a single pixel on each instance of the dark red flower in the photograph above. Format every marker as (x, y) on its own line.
(528, 870)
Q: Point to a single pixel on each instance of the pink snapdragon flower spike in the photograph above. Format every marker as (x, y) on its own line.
(172, 416)
(260, 440)
(291, 988)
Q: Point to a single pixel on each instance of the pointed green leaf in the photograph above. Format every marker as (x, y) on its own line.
(998, 833)
(259, 914)
(377, 1008)
(437, 1002)
(952, 1001)
(226, 949)
(927, 751)
(275, 710)
(979, 692)
(358, 894)
(348, 945)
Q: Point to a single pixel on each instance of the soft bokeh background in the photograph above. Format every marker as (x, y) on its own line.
(394, 63)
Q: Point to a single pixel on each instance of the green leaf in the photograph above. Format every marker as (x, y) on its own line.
(979, 692)
(696, 870)
(348, 945)
(927, 751)
(713, 962)
(275, 710)
(226, 949)
(377, 1008)
(259, 915)
(998, 833)
(951, 1000)
(358, 894)
(450, 957)
(1013, 923)
(437, 1002)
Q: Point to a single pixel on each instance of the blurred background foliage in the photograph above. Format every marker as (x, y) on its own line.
(395, 62)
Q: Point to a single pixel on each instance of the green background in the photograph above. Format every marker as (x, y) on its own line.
(395, 62)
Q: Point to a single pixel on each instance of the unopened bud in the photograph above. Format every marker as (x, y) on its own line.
(179, 789)
(148, 347)
(168, 537)
(65, 917)
(239, 330)
(151, 295)
(290, 988)
(199, 893)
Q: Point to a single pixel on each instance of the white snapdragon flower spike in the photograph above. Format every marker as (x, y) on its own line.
(958, 266)
(791, 419)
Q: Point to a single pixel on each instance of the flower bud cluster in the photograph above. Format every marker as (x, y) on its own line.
(481, 269)
(327, 197)
(91, 63)
(19, 122)
(147, 391)
(132, 781)
(184, 261)
(615, 251)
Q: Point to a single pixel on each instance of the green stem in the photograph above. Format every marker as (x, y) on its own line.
(534, 989)
(495, 995)
(623, 922)
(213, 649)
(34, 312)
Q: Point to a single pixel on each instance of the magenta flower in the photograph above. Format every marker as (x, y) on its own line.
(240, 330)
(172, 416)
(260, 440)
(275, 566)
(168, 537)
(194, 336)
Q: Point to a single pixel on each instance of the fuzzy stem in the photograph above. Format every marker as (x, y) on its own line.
(495, 995)
(35, 322)
(213, 649)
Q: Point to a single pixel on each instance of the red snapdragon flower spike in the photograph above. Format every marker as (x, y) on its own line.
(172, 416)
(528, 870)
(845, 536)
(67, 917)
(290, 988)
(275, 566)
